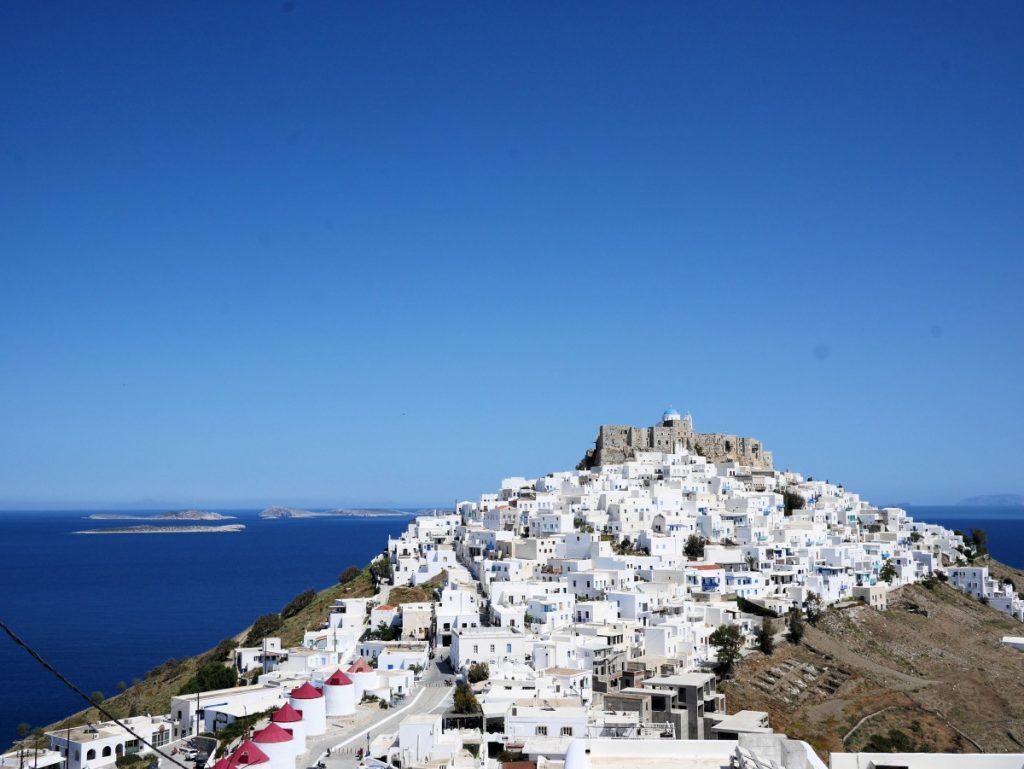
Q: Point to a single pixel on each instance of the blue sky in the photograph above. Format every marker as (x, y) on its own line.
(386, 254)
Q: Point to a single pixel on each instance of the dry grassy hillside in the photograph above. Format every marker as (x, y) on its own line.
(929, 674)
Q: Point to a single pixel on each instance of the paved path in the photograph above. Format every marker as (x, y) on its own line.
(430, 696)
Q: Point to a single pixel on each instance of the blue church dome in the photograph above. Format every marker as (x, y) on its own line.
(670, 415)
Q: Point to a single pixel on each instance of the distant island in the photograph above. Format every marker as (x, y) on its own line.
(230, 528)
(177, 515)
(341, 512)
(994, 500)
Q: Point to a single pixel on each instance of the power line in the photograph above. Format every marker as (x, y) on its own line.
(63, 679)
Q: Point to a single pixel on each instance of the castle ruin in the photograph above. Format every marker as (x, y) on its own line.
(618, 443)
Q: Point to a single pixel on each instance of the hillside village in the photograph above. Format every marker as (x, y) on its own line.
(582, 619)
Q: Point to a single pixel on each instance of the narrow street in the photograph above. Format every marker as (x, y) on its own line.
(430, 695)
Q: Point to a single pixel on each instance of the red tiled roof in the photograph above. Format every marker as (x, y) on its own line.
(706, 567)
(359, 666)
(286, 714)
(247, 753)
(338, 679)
(271, 733)
(306, 692)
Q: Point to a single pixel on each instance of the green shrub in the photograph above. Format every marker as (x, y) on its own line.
(221, 652)
(792, 501)
(728, 640)
(694, 547)
(764, 638)
(298, 603)
(479, 671)
(752, 608)
(795, 626)
(464, 700)
(262, 627)
(212, 675)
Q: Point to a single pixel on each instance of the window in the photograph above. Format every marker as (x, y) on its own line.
(492, 648)
(90, 755)
(567, 731)
(542, 731)
(106, 751)
(508, 648)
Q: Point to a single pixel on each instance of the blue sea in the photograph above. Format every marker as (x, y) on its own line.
(107, 608)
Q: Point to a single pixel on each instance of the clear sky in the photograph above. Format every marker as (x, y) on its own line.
(387, 254)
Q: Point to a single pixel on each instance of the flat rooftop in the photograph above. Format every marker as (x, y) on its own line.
(681, 679)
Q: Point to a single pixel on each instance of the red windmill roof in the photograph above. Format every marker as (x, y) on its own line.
(306, 692)
(271, 733)
(360, 666)
(338, 679)
(247, 753)
(222, 764)
(286, 714)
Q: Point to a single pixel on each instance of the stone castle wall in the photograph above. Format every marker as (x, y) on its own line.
(617, 443)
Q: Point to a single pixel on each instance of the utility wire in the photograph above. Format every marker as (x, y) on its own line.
(60, 677)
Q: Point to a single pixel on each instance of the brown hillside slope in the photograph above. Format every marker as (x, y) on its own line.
(944, 680)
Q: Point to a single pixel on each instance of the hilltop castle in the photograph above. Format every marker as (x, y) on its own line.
(618, 443)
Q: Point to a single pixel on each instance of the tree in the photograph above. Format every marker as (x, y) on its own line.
(479, 671)
(262, 627)
(349, 574)
(380, 569)
(694, 547)
(815, 607)
(384, 632)
(728, 640)
(751, 562)
(212, 675)
(795, 626)
(887, 573)
(792, 501)
(915, 536)
(23, 729)
(121, 686)
(980, 539)
(766, 636)
(464, 700)
(96, 697)
(298, 603)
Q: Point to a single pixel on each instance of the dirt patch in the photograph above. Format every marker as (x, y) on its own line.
(933, 664)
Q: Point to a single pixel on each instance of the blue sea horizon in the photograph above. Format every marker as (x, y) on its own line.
(107, 608)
